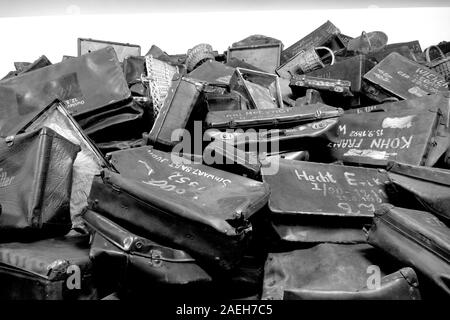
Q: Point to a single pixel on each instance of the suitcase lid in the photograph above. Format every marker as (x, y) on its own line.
(433, 175)
(56, 117)
(213, 72)
(379, 137)
(87, 83)
(123, 50)
(131, 243)
(309, 188)
(190, 190)
(404, 78)
(265, 56)
(48, 259)
(420, 227)
(270, 117)
(261, 89)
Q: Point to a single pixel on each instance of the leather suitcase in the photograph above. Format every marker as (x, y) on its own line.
(123, 50)
(265, 56)
(405, 79)
(36, 179)
(196, 208)
(373, 139)
(86, 84)
(270, 118)
(88, 162)
(350, 69)
(325, 35)
(336, 272)
(313, 137)
(135, 71)
(136, 262)
(417, 239)
(261, 89)
(184, 103)
(306, 188)
(53, 269)
(24, 67)
(426, 188)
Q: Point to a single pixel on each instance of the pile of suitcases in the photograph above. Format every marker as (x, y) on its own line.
(317, 171)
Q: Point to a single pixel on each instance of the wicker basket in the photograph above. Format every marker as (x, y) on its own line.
(309, 60)
(440, 65)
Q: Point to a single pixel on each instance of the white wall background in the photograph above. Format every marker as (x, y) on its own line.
(26, 38)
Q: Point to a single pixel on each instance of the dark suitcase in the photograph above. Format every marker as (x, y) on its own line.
(189, 206)
(405, 79)
(36, 179)
(213, 72)
(375, 138)
(261, 89)
(262, 54)
(351, 69)
(53, 269)
(325, 35)
(24, 67)
(417, 239)
(336, 272)
(88, 162)
(270, 118)
(135, 72)
(427, 188)
(313, 137)
(184, 103)
(131, 261)
(306, 188)
(123, 50)
(86, 84)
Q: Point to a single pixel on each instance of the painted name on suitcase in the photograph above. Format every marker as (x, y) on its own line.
(405, 78)
(324, 189)
(375, 138)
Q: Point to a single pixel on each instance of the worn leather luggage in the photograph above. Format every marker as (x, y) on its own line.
(36, 180)
(307, 188)
(86, 84)
(213, 72)
(137, 262)
(184, 103)
(88, 162)
(337, 272)
(123, 50)
(405, 79)
(270, 118)
(407, 136)
(198, 209)
(52, 269)
(426, 188)
(417, 239)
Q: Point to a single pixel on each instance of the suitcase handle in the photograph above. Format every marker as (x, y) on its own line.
(427, 53)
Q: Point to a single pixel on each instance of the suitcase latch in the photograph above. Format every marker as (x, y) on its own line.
(9, 141)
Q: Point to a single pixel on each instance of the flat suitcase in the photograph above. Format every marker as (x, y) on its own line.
(36, 180)
(254, 50)
(270, 118)
(427, 188)
(53, 269)
(261, 89)
(138, 262)
(405, 79)
(373, 139)
(196, 208)
(123, 50)
(417, 239)
(88, 162)
(306, 188)
(184, 103)
(86, 84)
(337, 272)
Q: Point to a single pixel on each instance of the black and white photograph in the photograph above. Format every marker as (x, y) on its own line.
(216, 159)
